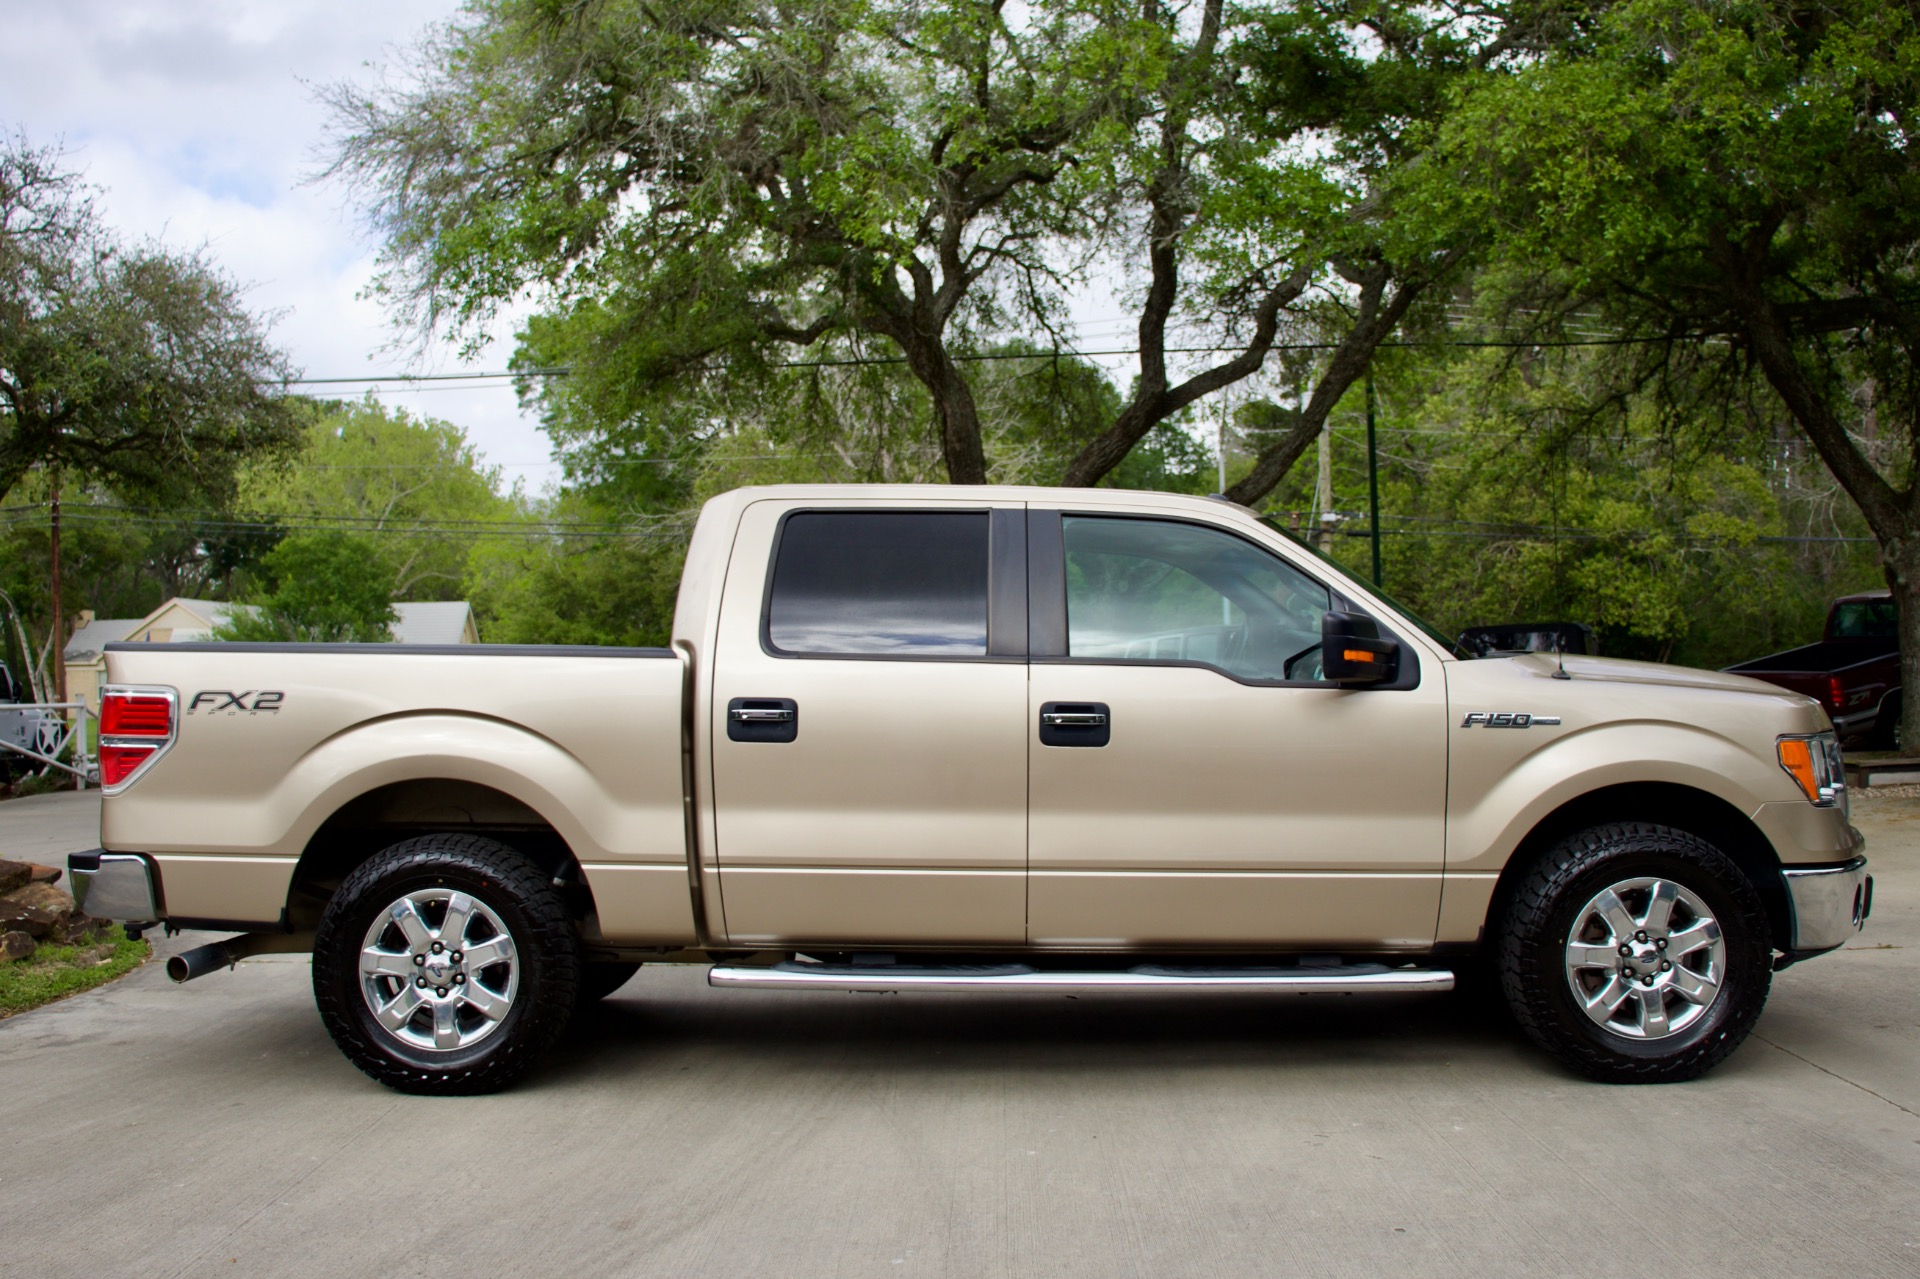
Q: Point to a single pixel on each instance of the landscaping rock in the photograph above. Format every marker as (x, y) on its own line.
(44, 874)
(79, 930)
(55, 901)
(14, 875)
(15, 945)
(25, 919)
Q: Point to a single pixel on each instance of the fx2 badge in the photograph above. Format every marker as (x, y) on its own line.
(218, 700)
(1506, 719)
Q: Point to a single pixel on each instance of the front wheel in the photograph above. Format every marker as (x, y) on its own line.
(446, 965)
(1636, 954)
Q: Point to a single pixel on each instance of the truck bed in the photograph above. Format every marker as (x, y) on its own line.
(1828, 657)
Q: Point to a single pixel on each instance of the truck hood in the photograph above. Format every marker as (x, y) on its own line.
(1615, 687)
(1620, 671)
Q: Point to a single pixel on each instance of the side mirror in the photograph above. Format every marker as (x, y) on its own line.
(1352, 652)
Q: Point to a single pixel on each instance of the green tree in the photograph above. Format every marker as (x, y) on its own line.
(127, 366)
(695, 192)
(414, 488)
(585, 577)
(321, 588)
(1734, 182)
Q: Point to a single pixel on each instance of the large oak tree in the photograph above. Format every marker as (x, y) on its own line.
(720, 182)
(1731, 187)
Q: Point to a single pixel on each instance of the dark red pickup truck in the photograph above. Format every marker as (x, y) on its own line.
(1854, 671)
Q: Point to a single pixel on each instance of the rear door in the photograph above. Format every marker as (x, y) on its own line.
(869, 726)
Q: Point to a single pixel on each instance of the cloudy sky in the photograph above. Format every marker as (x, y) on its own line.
(198, 120)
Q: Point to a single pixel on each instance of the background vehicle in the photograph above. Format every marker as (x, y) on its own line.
(1854, 670)
(957, 739)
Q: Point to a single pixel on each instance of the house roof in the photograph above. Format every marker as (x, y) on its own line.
(415, 622)
(91, 640)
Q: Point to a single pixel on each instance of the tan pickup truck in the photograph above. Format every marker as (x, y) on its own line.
(979, 739)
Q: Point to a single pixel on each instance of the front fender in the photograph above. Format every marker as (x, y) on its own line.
(1493, 804)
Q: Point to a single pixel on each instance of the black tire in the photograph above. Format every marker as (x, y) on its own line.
(1886, 727)
(1552, 900)
(598, 980)
(542, 976)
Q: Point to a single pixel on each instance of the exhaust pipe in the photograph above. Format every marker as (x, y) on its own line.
(202, 960)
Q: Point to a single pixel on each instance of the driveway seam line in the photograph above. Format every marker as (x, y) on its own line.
(1842, 1078)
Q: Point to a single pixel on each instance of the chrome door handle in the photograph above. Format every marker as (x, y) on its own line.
(1074, 719)
(760, 715)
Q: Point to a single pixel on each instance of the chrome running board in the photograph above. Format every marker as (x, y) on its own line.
(1345, 979)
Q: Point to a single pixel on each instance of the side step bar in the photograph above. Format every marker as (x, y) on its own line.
(1345, 979)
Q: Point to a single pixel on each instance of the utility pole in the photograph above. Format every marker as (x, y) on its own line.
(1223, 442)
(1323, 494)
(59, 619)
(1373, 479)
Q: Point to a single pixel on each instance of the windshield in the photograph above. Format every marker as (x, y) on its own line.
(1427, 628)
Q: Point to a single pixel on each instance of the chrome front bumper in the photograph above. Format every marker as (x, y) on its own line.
(117, 886)
(1830, 903)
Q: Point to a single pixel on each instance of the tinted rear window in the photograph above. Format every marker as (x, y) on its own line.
(894, 583)
(1866, 619)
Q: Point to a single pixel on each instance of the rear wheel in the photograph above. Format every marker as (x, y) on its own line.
(447, 965)
(1636, 954)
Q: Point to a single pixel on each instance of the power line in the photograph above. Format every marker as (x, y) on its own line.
(858, 361)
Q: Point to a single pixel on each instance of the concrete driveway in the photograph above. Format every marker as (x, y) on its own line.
(212, 1129)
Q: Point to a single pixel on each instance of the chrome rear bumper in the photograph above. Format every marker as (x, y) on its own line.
(1830, 903)
(117, 886)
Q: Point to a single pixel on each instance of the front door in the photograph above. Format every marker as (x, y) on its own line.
(869, 728)
(1193, 782)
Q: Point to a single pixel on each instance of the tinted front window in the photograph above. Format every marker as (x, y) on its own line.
(1158, 591)
(897, 583)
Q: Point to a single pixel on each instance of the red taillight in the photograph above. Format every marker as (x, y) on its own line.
(137, 726)
(117, 763)
(1835, 693)
(135, 715)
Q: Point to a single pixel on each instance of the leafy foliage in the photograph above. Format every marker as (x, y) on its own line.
(1734, 181)
(322, 588)
(128, 367)
(414, 488)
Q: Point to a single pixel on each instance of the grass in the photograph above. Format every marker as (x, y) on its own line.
(54, 972)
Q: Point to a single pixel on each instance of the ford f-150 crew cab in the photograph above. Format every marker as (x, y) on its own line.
(954, 739)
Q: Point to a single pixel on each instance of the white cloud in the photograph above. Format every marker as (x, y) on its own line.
(198, 120)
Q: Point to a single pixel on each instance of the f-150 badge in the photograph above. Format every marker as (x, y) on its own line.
(1506, 719)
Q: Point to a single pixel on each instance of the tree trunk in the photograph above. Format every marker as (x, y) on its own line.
(954, 409)
(1901, 559)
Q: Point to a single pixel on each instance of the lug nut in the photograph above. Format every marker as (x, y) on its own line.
(437, 947)
(1641, 935)
(1662, 943)
(456, 956)
(1665, 967)
(443, 990)
(459, 979)
(420, 982)
(1647, 979)
(421, 959)
(1625, 950)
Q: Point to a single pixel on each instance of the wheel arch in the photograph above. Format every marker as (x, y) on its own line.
(384, 815)
(1667, 804)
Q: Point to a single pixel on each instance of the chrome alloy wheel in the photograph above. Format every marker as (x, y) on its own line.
(1645, 959)
(438, 970)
